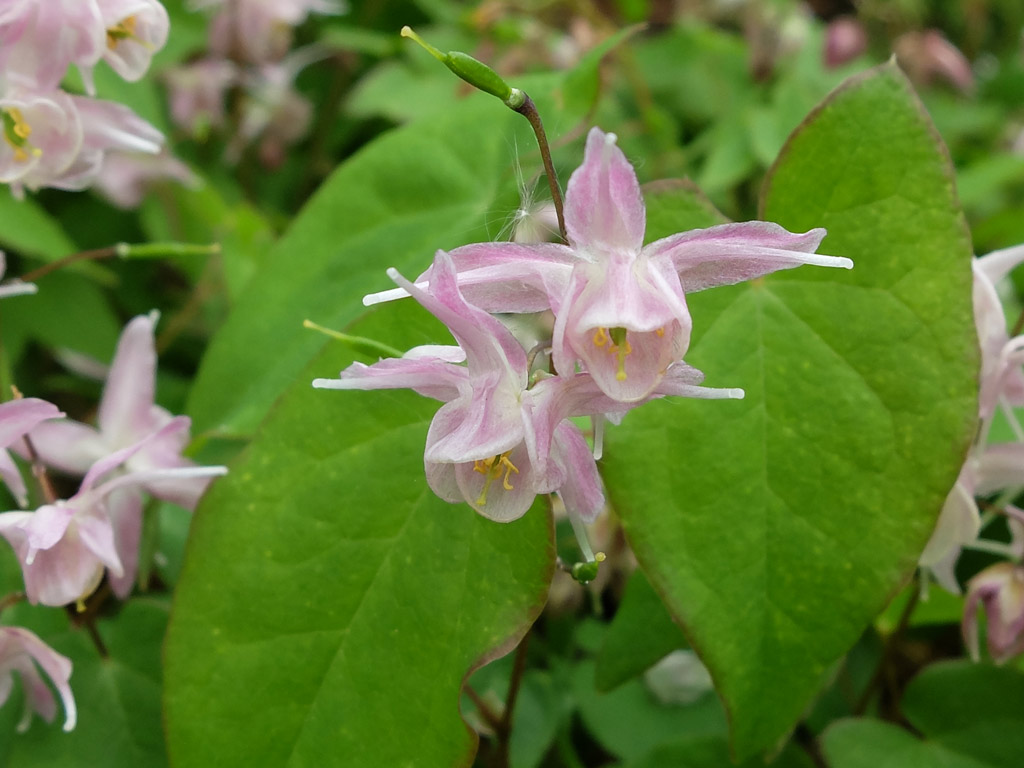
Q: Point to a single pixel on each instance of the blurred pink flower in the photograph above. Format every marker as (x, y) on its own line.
(197, 94)
(926, 56)
(845, 40)
(259, 31)
(126, 177)
(18, 418)
(39, 39)
(21, 651)
(128, 417)
(1000, 588)
(135, 30)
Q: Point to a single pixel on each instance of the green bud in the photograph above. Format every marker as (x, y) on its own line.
(474, 72)
(587, 572)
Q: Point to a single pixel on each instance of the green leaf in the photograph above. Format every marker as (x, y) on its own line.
(25, 226)
(641, 633)
(973, 709)
(776, 527)
(414, 190)
(713, 752)
(330, 605)
(118, 698)
(582, 87)
(874, 744)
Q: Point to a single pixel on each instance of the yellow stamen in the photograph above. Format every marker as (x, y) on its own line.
(621, 348)
(16, 134)
(600, 337)
(492, 468)
(660, 332)
(121, 31)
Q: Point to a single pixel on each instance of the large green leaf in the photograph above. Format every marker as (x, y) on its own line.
(874, 744)
(330, 605)
(776, 527)
(426, 186)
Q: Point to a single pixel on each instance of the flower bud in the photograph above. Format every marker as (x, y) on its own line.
(1000, 588)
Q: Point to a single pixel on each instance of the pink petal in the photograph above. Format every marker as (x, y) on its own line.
(998, 264)
(732, 253)
(124, 413)
(999, 467)
(581, 492)
(486, 424)
(435, 378)
(125, 510)
(68, 445)
(604, 210)
(509, 493)
(958, 524)
(17, 417)
(11, 476)
(56, 667)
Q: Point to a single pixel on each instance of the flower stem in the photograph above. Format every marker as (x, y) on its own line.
(503, 730)
(123, 251)
(12, 599)
(529, 110)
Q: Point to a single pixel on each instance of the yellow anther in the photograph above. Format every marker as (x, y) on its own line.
(492, 468)
(16, 134)
(121, 31)
(600, 337)
(660, 332)
(621, 348)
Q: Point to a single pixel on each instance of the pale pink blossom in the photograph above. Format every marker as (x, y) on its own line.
(497, 442)
(106, 127)
(845, 40)
(197, 93)
(39, 39)
(135, 30)
(42, 137)
(22, 652)
(1000, 588)
(126, 177)
(927, 56)
(259, 31)
(18, 418)
(620, 307)
(128, 417)
(65, 547)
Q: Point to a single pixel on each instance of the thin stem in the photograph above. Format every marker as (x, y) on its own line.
(39, 472)
(503, 731)
(492, 718)
(890, 644)
(95, 254)
(94, 635)
(991, 547)
(529, 110)
(12, 599)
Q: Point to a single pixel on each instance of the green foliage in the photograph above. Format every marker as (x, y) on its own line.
(776, 552)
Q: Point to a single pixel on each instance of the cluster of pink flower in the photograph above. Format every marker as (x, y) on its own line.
(55, 139)
(621, 329)
(65, 546)
(990, 468)
(248, 50)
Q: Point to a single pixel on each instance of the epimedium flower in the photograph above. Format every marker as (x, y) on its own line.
(497, 442)
(134, 31)
(42, 137)
(22, 652)
(1000, 589)
(128, 417)
(39, 39)
(65, 546)
(620, 306)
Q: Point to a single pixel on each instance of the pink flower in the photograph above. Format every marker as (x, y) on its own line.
(126, 177)
(106, 127)
(845, 40)
(64, 547)
(259, 31)
(17, 418)
(21, 651)
(197, 92)
(498, 442)
(135, 30)
(620, 307)
(40, 38)
(42, 137)
(1000, 588)
(128, 417)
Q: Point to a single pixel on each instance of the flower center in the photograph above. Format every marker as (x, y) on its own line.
(123, 30)
(16, 134)
(618, 345)
(492, 468)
